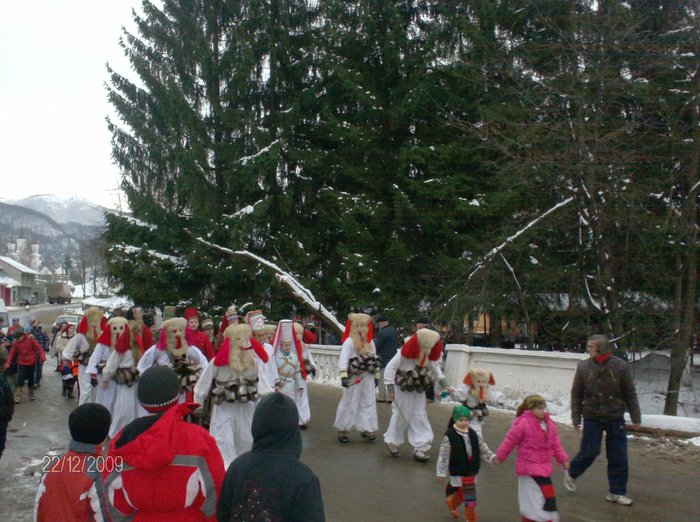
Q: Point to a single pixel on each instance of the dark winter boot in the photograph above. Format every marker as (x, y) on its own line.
(343, 437)
(31, 394)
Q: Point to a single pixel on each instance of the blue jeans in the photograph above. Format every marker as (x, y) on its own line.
(615, 451)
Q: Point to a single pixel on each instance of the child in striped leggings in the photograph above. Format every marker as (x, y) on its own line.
(461, 451)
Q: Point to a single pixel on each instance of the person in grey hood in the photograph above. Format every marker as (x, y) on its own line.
(269, 483)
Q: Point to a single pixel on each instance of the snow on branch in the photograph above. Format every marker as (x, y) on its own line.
(129, 250)
(248, 209)
(300, 292)
(245, 159)
(495, 251)
(133, 220)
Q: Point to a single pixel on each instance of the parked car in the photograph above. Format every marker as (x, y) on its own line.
(28, 300)
(68, 318)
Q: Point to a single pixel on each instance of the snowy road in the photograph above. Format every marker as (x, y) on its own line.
(360, 481)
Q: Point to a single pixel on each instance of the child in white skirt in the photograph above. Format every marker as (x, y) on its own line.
(535, 435)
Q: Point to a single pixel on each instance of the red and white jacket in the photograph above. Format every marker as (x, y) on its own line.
(69, 489)
(172, 471)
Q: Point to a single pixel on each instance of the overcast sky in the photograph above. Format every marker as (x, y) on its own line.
(53, 104)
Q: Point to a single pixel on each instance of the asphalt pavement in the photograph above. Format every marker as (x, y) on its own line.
(360, 481)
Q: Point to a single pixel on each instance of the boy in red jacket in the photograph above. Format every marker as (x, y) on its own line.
(70, 486)
(172, 469)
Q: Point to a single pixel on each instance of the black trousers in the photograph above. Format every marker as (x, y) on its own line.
(26, 373)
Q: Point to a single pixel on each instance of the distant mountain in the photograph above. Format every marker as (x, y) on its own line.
(64, 209)
(56, 239)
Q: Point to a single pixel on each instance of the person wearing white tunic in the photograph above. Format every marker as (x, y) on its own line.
(174, 350)
(122, 376)
(80, 348)
(309, 365)
(105, 391)
(232, 380)
(290, 367)
(268, 375)
(474, 393)
(359, 367)
(413, 370)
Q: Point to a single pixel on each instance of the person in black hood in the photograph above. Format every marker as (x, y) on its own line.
(269, 483)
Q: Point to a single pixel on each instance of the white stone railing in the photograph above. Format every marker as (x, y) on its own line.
(326, 357)
(517, 372)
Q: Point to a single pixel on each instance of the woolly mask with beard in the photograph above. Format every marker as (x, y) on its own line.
(360, 328)
(91, 325)
(136, 328)
(479, 380)
(175, 341)
(240, 357)
(115, 327)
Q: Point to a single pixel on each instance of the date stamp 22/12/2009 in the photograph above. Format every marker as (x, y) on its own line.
(81, 464)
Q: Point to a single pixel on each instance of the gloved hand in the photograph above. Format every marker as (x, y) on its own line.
(376, 382)
(345, 382)
(390, 392)
(93, 380)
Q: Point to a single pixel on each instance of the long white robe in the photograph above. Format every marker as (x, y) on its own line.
(104, 391)
(292, 383)
(77, 345)
(231, 422)
(357, 408)
(268, 373)
(156, 357)
(126, 405)
(408, 413)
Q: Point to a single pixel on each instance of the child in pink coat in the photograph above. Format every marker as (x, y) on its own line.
(536, 438)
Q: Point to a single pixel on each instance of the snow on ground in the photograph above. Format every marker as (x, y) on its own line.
(109, 303)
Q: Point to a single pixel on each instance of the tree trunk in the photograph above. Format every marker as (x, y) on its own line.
(687, 279)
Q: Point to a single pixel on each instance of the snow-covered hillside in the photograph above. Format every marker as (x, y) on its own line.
(64, 209)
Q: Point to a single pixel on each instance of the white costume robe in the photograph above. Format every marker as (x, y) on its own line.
(105, 391)
(303, 399)
(292, 382)
(357, 408)
(77, 345)
(156, 357)
(408, 408)
(231, 422)
(126, 405)
(268, 373)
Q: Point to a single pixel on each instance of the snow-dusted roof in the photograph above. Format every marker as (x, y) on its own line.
(18, 266)
(8, 282)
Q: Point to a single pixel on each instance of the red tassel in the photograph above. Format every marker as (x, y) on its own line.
(346, 333)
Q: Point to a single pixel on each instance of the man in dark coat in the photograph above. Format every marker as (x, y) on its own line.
(269, 482)
(603, 389)
(386, 342)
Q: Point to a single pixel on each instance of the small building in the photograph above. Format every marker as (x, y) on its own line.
(22, 282)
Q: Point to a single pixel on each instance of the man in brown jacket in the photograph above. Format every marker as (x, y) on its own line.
(603, 388)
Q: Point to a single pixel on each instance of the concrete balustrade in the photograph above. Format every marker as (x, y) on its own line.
(517, 372)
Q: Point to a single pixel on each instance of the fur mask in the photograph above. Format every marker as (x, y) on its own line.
(92, 324)
(240, 356)
(479, 381)
(173, 337)
(359, 329)
(115, 327)
(423, 345)
(135, 329)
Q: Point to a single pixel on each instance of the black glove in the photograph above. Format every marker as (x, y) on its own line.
(376, 383)
(93, 382)
(345, 382)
